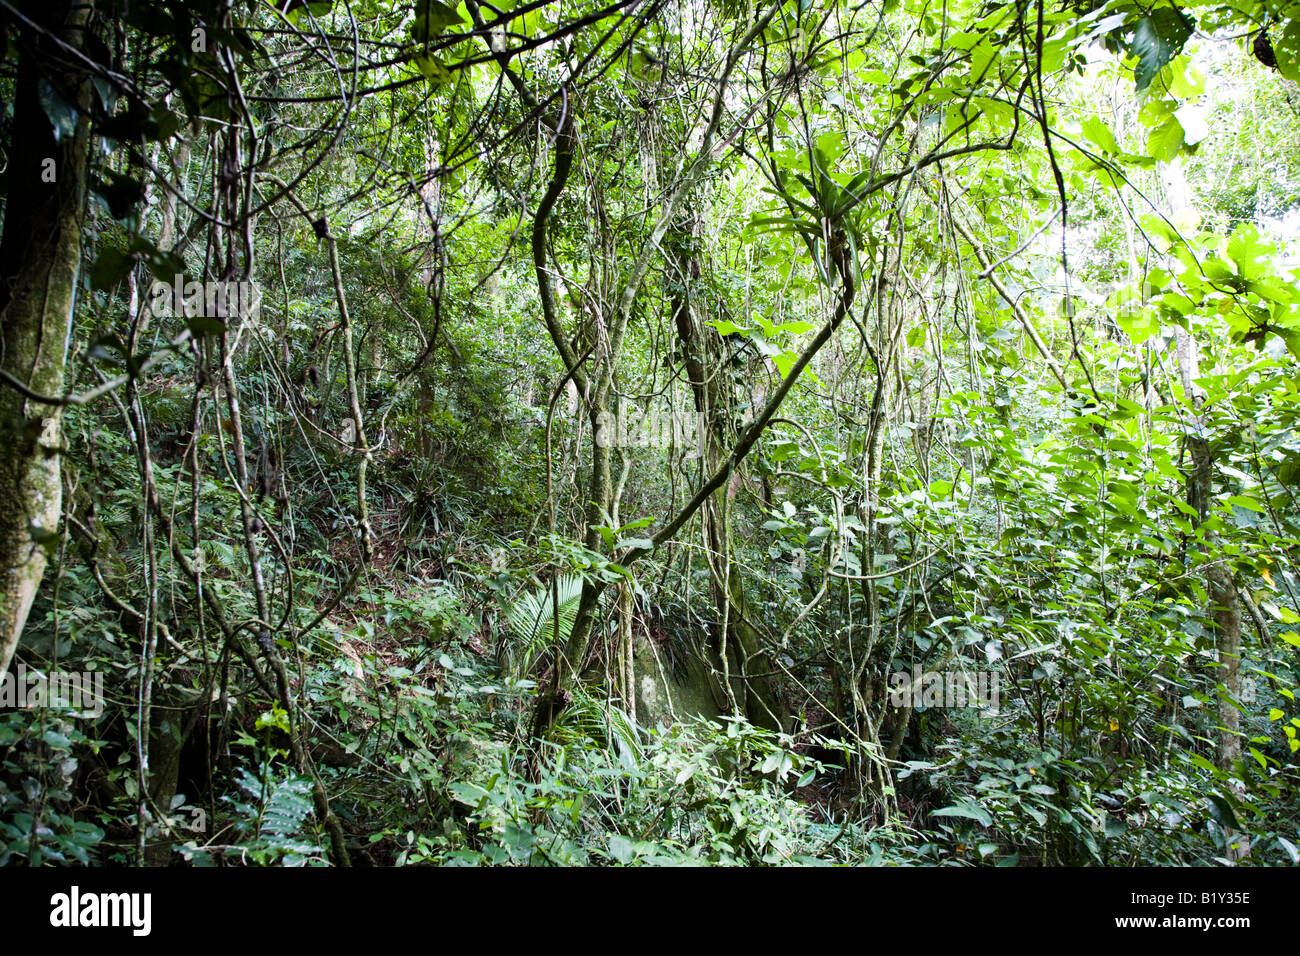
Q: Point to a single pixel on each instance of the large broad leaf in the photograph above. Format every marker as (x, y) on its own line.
(61, 114)
(967, 809)
(1286, 49)
(1166, 141)
(121, 194)
(432, 17)
(1158, 39)
(110, 268)
(1100, 135)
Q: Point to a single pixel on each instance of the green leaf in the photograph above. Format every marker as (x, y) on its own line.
(1290, 849)
(295, 9)
(110, 268)
(467, 793)
(621, 849)
(796, 328)
(728, 328)
(1201, 762)
(1222, 811)
(1165, 142)
(1099, 134)
(276, 717)
(1286, 49)
(61, 114)
(431, 68)
(643, 544)
(431, 19)
(967, 810)
(784, 362)
(1245, 501)
(1281, 613)
(1158, 39)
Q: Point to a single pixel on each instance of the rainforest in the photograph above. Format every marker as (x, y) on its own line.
(649, 432)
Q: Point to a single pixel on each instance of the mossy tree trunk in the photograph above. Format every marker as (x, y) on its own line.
(40, 261)
(740, 643)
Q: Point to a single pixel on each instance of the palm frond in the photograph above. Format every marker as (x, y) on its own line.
(588, 719)
(531, 619)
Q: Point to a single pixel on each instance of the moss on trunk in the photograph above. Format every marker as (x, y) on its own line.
(40, 254)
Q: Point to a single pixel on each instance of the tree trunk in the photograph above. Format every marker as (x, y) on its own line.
(40, 255)
(741, 643)
(1224, 607)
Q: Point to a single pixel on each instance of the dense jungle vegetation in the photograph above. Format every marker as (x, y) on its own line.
(650, 432)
